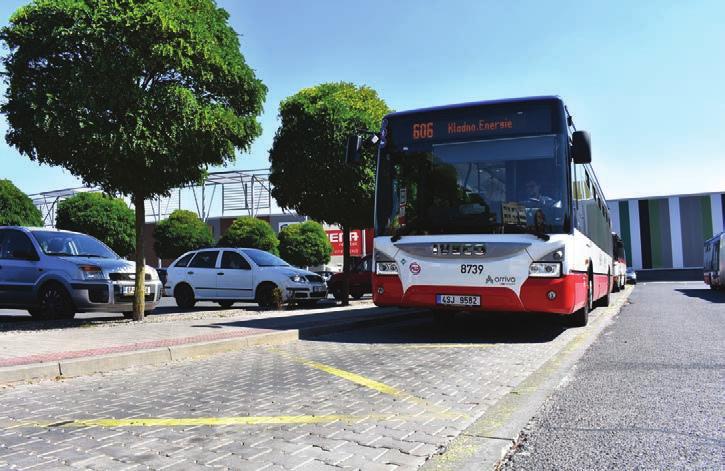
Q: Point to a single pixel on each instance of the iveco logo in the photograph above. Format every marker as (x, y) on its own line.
(463, 249)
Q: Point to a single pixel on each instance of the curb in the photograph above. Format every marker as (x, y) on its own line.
(160, 356)
(485, 443)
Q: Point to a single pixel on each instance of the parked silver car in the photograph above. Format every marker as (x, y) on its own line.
(54, 274)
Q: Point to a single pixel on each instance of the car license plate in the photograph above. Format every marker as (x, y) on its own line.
(317, 289)
(130, 290)
(458, 300)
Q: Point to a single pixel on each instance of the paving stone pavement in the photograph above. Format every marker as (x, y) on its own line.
(386, 398)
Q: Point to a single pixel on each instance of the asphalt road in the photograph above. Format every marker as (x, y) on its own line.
(648, 394)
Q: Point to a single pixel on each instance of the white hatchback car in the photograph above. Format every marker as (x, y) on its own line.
(228, 275)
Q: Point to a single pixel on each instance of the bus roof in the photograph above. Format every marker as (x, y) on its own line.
(477, 103)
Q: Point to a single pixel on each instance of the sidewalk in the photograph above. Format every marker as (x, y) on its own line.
(75, 351)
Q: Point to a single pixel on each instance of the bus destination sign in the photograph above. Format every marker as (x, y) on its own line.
(451, 125)
(463, 128)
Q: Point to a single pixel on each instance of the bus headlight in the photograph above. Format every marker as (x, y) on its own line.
(545, 269)
(386, 268)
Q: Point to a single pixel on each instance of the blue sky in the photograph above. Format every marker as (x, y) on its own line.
(645, 78)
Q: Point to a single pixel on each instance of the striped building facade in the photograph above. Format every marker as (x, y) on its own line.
(667, 231)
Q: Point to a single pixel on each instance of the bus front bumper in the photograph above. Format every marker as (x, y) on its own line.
(562, 295)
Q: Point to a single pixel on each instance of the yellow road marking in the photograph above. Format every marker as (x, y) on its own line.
(206, 421)
(354, 378)
(372, 384)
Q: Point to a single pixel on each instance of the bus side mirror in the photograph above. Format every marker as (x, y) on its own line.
(581, 147)
(352, 151)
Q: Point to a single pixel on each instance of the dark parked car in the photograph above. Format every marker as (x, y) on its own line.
(361, 278)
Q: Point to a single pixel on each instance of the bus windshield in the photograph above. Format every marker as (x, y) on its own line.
(512, 185)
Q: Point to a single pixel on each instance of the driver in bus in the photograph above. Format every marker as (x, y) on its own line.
(534, 197)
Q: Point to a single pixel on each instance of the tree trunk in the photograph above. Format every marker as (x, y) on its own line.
(345, 265)
(139, 293)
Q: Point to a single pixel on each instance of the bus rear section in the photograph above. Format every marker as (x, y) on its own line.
(482, 207)
(714, 263)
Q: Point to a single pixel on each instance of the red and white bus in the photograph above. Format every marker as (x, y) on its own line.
(619, 261)
(490, 206)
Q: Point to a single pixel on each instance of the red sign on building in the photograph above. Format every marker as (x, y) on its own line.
(361, 242)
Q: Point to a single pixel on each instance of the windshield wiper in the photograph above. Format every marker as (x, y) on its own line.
(527, 230)
(90, 255)
(59, 254)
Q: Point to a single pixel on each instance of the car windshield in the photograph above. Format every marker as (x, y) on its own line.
(264, 259)
(69, 244)
(501, 186)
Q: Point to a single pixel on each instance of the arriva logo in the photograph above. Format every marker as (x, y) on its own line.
(414, 268)
(501, 280)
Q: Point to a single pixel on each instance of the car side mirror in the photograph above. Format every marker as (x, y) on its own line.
(581, 147)
(352, 150)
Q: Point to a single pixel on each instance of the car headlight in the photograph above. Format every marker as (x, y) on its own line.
(545, 269)
(91, 272)
(386, 268)
(152, 273)
(298, 278)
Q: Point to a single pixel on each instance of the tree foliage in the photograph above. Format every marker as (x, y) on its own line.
(305, 244)
(137, 97)
(181, 232)
(16, 209)
(309, 146)
(106, 218)
(250, 232)
(132, 96)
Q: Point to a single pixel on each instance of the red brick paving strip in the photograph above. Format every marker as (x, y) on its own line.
(47, 357)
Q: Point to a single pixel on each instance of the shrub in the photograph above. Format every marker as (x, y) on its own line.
(104, 217)
(305, 244)
(181, 232)
(248, 231)
(16, 209)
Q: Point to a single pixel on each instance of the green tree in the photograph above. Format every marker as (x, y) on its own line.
(309, 146)
(305, 244)
(106, 218)
(137, 97)
(181, 232)
(16, 209)
(248, 231)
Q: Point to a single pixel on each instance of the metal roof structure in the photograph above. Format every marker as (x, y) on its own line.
(242, 192)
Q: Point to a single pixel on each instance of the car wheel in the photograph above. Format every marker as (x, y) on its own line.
(184, 297)
(337, 294)
(356, 294)
(265, 296)
(55, 303)
(309, 303)
(226, 304)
